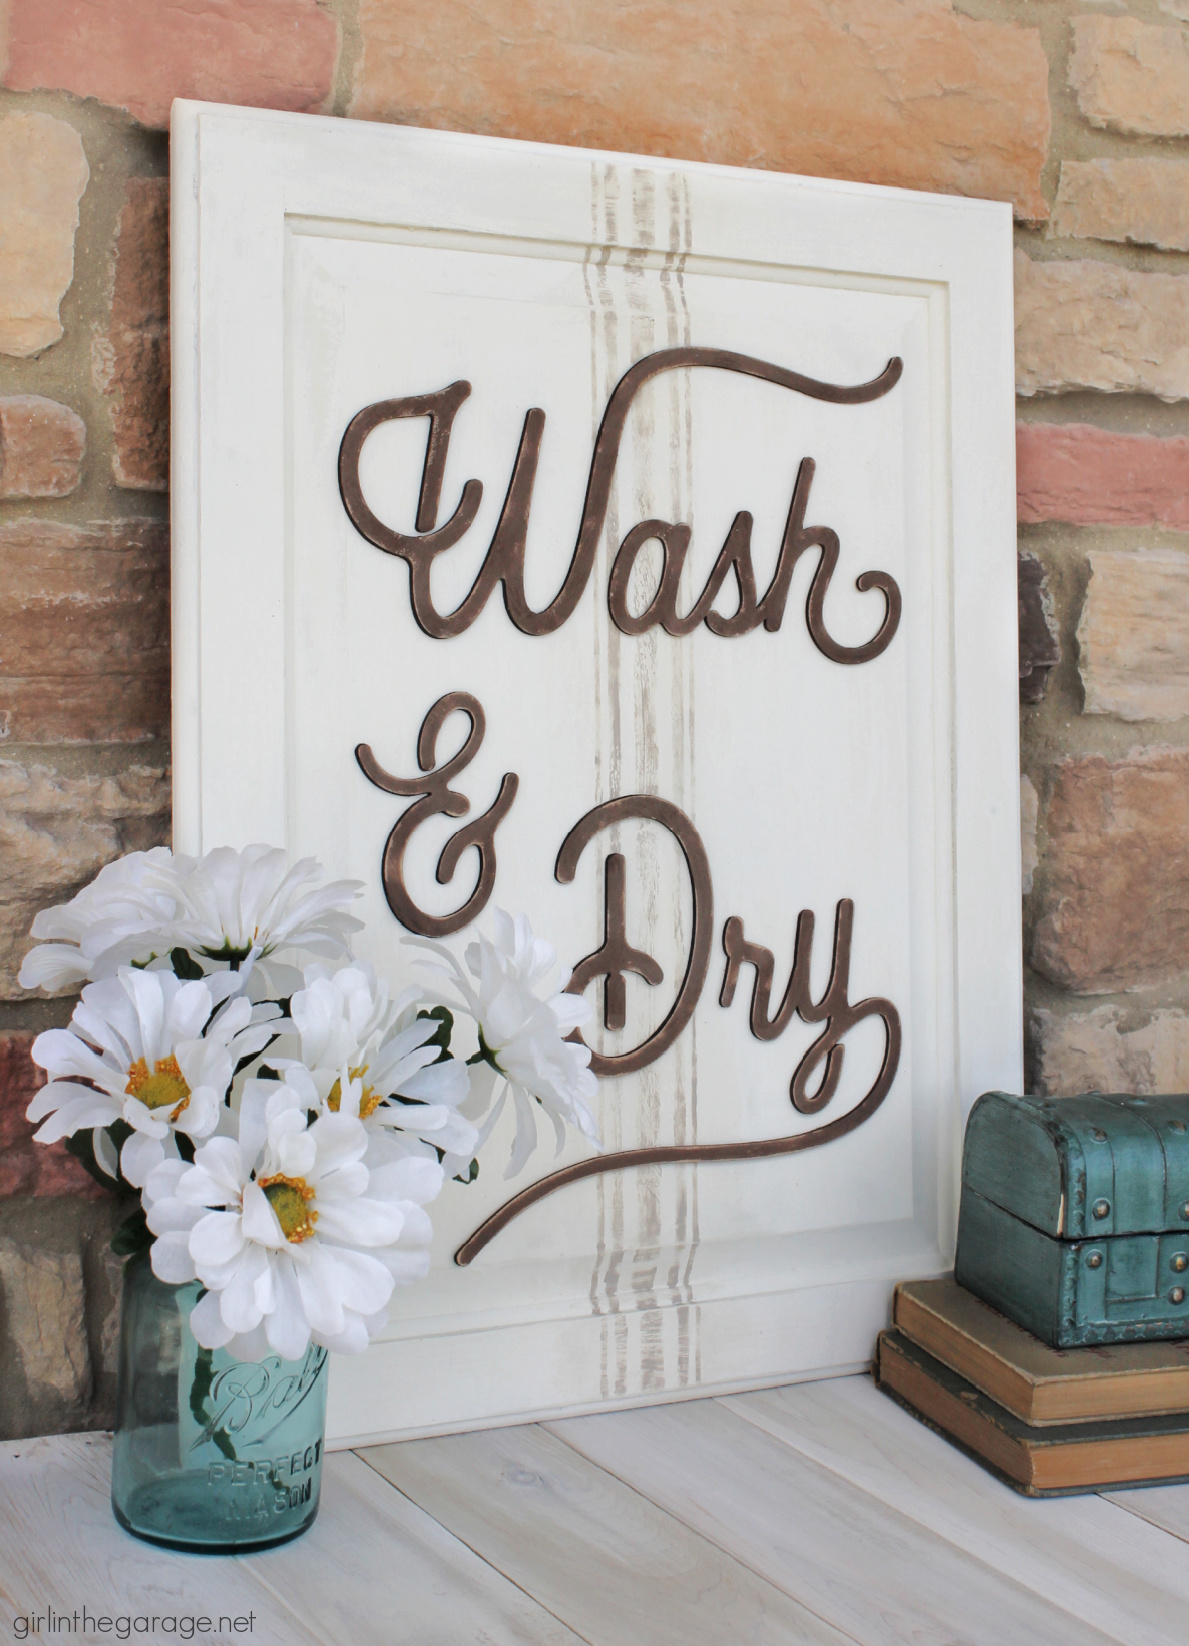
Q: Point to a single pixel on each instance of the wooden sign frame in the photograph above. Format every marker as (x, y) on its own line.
(274, 217)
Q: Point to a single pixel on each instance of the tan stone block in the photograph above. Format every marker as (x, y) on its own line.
(1133, 634)
(1029, 816)
(1087, 325)
(131, 362)
(1144, 202)
(1101, 1050)
(1131, 76)
(43, 1305)
(43, 172)
(41, 447)
(57, 832)
(1114, 895)
(26, 1167)
(109, 1331)
(909, 92)
(84, 631)
(141, 54)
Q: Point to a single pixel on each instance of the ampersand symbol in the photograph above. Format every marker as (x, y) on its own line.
(432, 796)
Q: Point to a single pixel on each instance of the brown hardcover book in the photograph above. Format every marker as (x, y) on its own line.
(1039, 1384)
(1047, 1462)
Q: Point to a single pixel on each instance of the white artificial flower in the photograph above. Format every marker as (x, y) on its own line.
(230, 903)
(224, 907)
(522, 1035)
(151, 1050)
(369, 1057)
(290, 1232)
(115, 920)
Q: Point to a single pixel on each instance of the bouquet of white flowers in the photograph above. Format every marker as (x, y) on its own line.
(284, 1128)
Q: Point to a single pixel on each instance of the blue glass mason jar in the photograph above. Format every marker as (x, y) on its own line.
(211, 1454)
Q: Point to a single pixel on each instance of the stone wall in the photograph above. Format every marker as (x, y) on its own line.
(1078, 113)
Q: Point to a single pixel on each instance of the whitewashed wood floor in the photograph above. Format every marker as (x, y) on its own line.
(820, 1512)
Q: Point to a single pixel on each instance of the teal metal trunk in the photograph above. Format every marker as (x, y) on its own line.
(1074, 1219)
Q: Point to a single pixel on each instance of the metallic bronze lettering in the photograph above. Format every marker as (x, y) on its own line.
(797, 538)
(833, 1009)
(839, 1017)
(694, 1153)
(432, 796)
(674, 540)
(441, 409)
(735, 556)
(615, 955)
(504, 563)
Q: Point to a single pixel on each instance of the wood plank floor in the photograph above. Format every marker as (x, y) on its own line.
(820, 1512)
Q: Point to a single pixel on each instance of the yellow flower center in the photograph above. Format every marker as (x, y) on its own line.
(290, 1199)
(369, 1102)
(165, 1088)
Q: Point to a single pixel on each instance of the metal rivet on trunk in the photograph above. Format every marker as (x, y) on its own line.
(1098, 1135)
(1177, 1295)
(1176, 1125)
(1094, 1260)
(1102, 1208)
(1185, 1211)
(1180, 1262)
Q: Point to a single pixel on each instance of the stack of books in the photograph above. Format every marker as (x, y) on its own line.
(1047, 1421)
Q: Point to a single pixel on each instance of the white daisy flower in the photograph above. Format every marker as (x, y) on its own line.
(292, 1235)
(522, 1036)
(371, 1058)
(230, 903)
(146, 1048)
(115, 920)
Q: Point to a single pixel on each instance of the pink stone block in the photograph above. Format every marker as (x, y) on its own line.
(28, 1168)
(141, 54)
(1089, 476)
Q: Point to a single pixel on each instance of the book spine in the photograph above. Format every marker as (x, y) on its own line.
(965, 1424)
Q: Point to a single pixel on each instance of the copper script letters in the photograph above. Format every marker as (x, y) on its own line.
(615, 955)
(432, 796)
(504, 563)
(833, 1009)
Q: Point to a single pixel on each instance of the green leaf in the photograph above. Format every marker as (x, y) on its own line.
(82, 1146)
(234, 957)
(484, 1055)
(472, 1173)
(185, 966)
(204, 1376)
(133, 1239)
(200, 1388)
(243, 1064)
(441, 1037)
(223, 1441)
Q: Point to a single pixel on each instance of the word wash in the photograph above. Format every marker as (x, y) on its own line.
(504, 563)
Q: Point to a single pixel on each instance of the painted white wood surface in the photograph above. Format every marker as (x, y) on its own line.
(859, 1563)
(61, 1548)
(1082, 1553)
(377, 1567)
(816, 1513)
(373, 1568)
(602, 1557)
(1163, 1506)
(323, 265)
